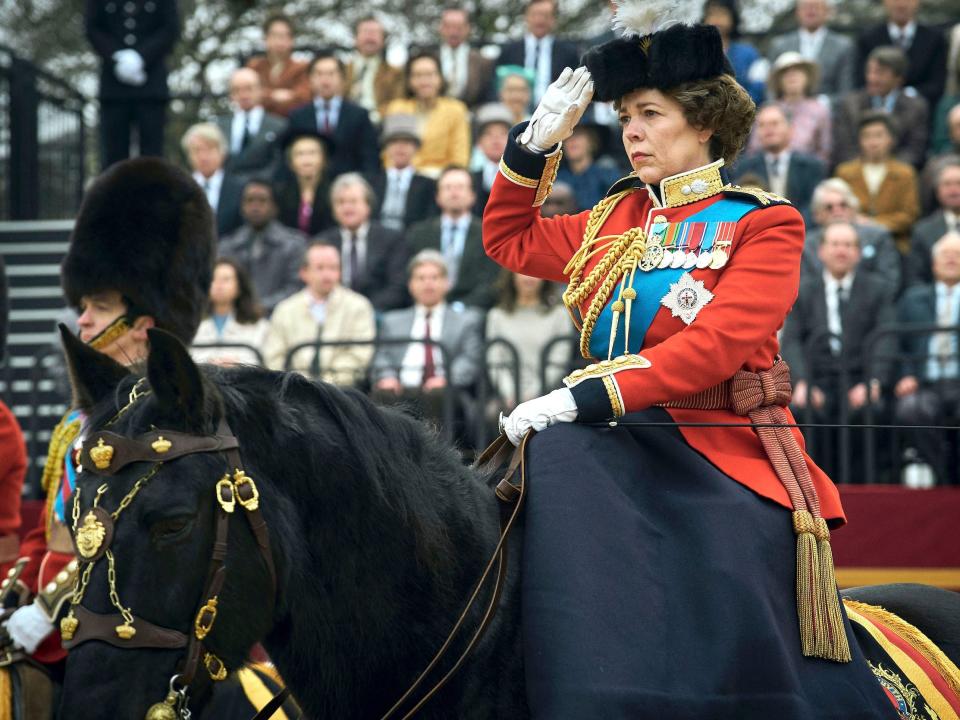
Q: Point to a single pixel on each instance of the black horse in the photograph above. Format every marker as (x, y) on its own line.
(378, 532)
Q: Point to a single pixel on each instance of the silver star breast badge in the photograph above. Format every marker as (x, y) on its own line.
(686, 298)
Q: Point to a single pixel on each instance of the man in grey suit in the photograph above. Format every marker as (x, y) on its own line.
(456, 234)
(885, 71)
(834, 201)
(419, 373)
(270, 252)
(465, 69)
(833, 52)
(252, 133)
(934, 226)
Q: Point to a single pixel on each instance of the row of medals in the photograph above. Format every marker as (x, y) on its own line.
(657, 257)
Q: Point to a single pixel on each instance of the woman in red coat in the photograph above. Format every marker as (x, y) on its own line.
(671, 571)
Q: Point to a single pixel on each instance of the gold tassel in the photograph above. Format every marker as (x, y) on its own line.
(808, 570)
(836, 646)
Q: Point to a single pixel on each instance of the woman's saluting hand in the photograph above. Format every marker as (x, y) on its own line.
(559, 111)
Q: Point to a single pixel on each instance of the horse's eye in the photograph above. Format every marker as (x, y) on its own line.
(170, 528)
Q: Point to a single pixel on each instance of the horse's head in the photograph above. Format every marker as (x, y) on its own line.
(155, 519)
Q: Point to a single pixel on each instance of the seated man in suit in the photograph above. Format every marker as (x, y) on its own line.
(834, 201)
(539, 50)
(348, 125)
(268, 251)
(834, 53)
(456, 234)
(419, 373)
(886, 68)
(371, 81)
(927, 231)
(283, 77)
(402, 196)
(323, 311)
(824, 339)
(928, 392)
(493, 122)
(784, 172)
(206, 149)
(925, 48)
(253, 134)
(467, 72)
(374, 257)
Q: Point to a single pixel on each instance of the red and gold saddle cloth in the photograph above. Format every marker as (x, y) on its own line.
(918, 678)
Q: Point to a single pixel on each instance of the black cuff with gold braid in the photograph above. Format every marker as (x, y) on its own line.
(598, 399)
(528, 169)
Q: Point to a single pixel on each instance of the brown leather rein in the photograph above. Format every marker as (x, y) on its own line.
(106, 453)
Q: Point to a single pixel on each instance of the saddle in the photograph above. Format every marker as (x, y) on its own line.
(918, 678)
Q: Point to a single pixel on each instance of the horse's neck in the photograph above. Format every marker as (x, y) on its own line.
(373, 596)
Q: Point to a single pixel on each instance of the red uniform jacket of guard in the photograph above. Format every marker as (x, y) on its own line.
(753, 293)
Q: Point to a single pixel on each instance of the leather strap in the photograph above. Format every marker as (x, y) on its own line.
(147, 447)
(94, 626)
(512, 497)
(268, 710)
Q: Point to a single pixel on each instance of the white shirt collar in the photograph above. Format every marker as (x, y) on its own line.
(420, 311)
(844, 283)
(895, 31)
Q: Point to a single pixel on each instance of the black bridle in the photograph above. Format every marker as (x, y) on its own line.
(105, 453)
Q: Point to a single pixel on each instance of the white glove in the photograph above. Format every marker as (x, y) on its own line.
(539, 414)
(28, 626)
(128, 67)
(560, 109)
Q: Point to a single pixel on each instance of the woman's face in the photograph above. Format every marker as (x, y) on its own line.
(526, 285)
(306, 157)
(793, 82)
(425, 80)
(876, 142)
(515, 94)
(658, 140)
(224, 288)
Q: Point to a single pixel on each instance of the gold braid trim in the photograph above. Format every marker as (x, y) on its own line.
(61, 440)
(516, 177)
(613, 395)
(920, 642)
(114, 330)
(606, 272)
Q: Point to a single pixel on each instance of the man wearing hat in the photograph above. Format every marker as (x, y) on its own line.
(402, 196)
(140, 256)
(493, 122)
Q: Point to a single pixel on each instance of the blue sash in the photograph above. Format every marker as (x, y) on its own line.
(651, 286)
(69, 477)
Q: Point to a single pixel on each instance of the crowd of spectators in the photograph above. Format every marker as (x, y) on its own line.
(348, 195)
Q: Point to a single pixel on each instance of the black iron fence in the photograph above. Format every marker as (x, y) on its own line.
(861, 444)
(42, 142)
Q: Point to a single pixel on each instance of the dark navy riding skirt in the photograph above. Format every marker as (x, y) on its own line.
(655, 586)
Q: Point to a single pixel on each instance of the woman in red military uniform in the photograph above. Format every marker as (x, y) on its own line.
(664, 574)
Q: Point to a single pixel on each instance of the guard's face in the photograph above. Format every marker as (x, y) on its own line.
(97, 311)
(657, 137)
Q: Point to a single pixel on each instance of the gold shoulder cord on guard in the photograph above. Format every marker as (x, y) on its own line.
(622, 255)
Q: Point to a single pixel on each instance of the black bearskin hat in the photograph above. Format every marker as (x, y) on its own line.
(146, 230)
(660, 60)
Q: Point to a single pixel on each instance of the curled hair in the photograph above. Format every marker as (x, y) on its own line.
(721, 105)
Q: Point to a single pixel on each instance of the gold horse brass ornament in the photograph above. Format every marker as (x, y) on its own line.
(101, 455)
(90, 535)
(167, 710)
(68, 627)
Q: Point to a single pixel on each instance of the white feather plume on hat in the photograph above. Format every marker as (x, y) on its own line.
(645, 17)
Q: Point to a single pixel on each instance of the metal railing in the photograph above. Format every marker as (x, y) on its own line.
(42, 142)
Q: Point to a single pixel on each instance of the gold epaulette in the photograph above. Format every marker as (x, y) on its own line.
(54, 595)
(61, 440)
(761, 197)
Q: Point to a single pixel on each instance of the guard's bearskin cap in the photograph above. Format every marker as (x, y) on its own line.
(146, 230)
(661, 60)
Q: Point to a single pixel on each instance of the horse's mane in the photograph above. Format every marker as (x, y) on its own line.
(306, 431)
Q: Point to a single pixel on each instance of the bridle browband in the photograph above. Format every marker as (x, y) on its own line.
(106, 453)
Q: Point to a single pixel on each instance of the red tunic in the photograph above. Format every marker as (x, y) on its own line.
(753, 293)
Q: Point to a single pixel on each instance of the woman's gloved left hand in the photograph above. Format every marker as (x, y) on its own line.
(539, 414)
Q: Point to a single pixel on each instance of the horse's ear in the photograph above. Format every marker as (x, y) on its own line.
(93, 375)
(175, 378)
